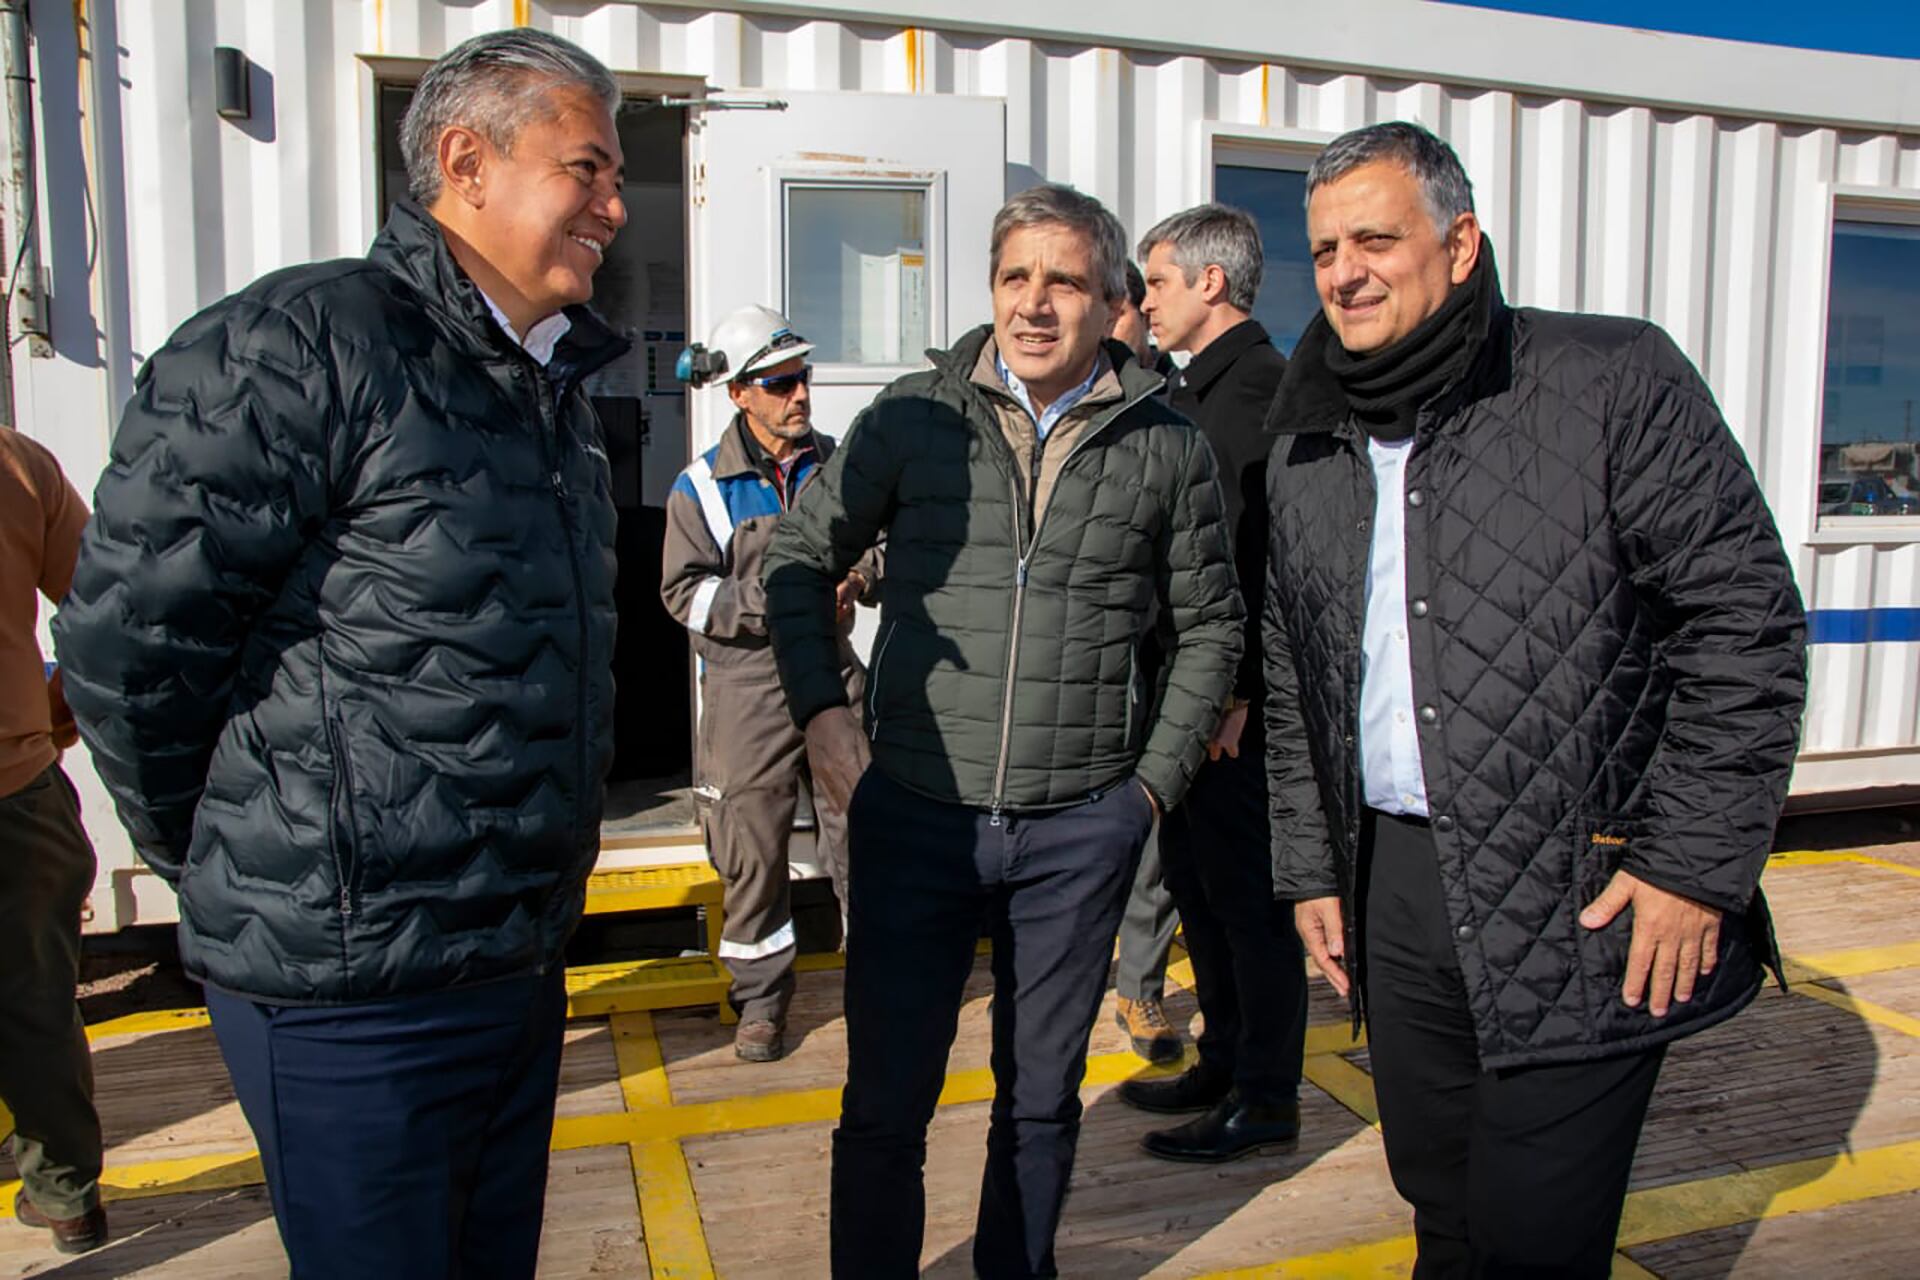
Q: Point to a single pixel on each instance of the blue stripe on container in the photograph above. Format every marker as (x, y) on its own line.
(1862, 626)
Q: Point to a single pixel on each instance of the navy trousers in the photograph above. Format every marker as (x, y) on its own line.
(404, 1137)
(923, 877)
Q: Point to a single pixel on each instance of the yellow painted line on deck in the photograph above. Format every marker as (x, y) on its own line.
(1775, 1191)
(1906, 1024)
(1810, 858)
(1625, 1268)
(1375, 1261)
(670, 1225)
(222, 1172)
(1345, 1083)
(1854, 963)
(1663, 1213)
(143, 1023)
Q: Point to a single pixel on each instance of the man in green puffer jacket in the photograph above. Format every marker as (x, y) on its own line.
(1044, 514)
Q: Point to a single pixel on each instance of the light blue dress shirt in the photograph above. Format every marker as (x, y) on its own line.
(1391, 776)
(1043, 422)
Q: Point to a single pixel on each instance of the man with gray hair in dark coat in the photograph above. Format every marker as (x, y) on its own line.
(339, 641)
(1536, 664)
(1043, 511)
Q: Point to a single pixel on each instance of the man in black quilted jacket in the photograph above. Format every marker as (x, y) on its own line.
(1043, 509)
(1535, 661)
(339, 641)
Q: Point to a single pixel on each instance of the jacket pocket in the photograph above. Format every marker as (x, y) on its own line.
(1133, 694)
(342, 835)
(873, 679)
(1600, 844)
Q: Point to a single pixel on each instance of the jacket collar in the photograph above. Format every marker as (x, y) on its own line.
(956, 364)
(734, 456)
(412, 247)
(1310, 398)
(1219, 355)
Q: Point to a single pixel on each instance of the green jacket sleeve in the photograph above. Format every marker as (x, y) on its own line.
(836, 522)
(1200, 599)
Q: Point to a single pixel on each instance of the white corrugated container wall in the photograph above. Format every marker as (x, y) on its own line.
(1715, 226)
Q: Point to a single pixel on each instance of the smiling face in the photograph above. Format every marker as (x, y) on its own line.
(539, 217)
(1379, 263)
(1049, 311)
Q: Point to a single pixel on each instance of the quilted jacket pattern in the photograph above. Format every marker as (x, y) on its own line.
(1007, 681)
(340, 631)
(1608, 665)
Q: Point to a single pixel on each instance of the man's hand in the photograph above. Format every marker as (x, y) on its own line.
(1675, 940)
(1325, 937)
(837, 754)
(1226, 739)
(847, 595)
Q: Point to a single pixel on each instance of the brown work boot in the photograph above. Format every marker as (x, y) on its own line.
(70, 1235)
(758, 1040)
(1146, 1022)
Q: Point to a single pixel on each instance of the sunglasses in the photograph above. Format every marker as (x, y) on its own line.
(784, 384)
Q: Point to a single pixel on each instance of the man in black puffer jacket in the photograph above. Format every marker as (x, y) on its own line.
(1535, 661)
(339, 643)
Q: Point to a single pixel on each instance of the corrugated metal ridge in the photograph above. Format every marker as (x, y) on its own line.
(1421, 40)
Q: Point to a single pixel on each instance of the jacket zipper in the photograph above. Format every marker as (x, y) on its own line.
(543, 391)
(873, 681)
(343, 832)
(1022, 561)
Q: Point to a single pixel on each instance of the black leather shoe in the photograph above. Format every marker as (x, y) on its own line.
(1191, 1090)
(1231, 1130)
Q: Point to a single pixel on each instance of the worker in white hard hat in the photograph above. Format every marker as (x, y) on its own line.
(720, 516)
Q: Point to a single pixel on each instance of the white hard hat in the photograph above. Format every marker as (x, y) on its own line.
(748, 340)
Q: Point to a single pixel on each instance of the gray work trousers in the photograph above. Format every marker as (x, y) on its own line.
(46, 1075)
(1146, 930)
(751, 758)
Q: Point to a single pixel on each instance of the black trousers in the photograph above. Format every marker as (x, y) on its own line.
(922, 878)
(404, 1137)
(1248, 969)
(46, 1076)
(1511, 1173)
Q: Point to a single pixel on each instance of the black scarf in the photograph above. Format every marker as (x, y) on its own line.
(1387, 389)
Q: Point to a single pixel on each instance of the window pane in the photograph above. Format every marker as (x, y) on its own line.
(1867, 465)
(857, 272)
(1276, 198)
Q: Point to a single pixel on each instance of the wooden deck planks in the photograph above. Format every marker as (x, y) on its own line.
(1791, 1080)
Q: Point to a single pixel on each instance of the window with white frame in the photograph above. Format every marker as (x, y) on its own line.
(1272, 186)
(1869, 468)
(858, 271)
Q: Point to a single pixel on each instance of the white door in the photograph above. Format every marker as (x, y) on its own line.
(862, 216)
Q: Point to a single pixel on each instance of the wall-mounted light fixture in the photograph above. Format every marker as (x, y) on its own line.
(232, 90)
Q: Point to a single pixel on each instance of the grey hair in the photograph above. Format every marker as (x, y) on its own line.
(1066, 207)
(1433, 164)
(495, 84)
(1214, 235)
